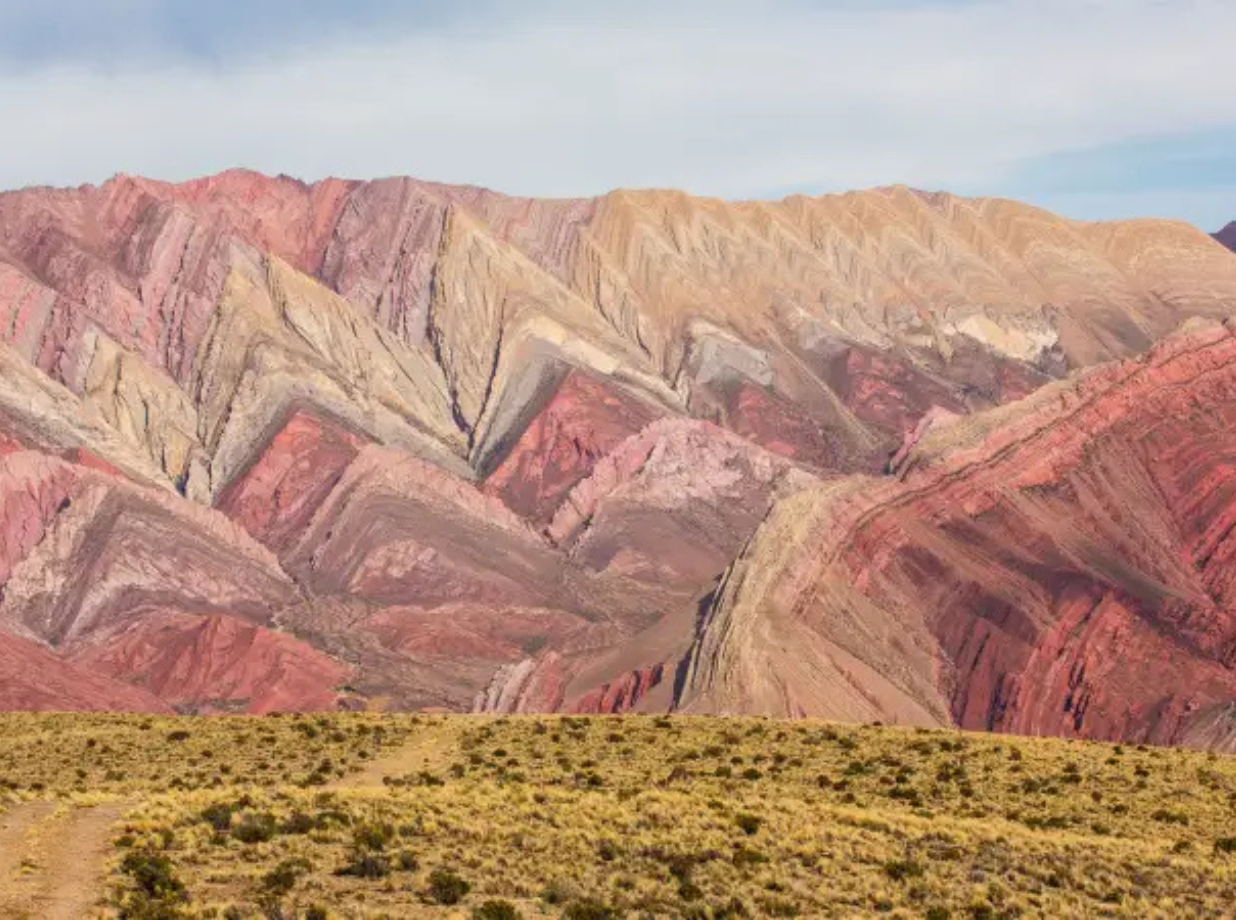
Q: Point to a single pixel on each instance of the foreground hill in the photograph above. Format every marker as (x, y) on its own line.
(351, 816)
(267, 445)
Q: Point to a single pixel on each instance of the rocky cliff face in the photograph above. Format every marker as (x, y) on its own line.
(1057, 566)
(269, 445)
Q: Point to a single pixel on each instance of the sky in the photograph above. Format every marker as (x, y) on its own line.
(1094, 108)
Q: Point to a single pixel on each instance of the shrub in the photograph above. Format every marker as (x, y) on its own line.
(906, 794)
(256, 827)
(218, 815)
(557, 892)
(407, 861)
(731, 910)
(446, 887)
(749, 824)
(901, 869)
(745, 856)
(153, 875)
(372, 836)
(1165, 816)
(365, 864)
(157, 894)
(689, 891)
(496, 910)
(298, 823)
(1225, 845)
(282, 879)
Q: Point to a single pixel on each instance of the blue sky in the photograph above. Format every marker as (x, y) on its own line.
(1095, 108)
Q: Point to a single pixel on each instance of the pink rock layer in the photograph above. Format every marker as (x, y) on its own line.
(583, 421)
(32, 678)
(217, 664)
(620, 695)
(278, 494)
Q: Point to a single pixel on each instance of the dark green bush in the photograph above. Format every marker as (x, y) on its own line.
(407, 861)
(496, 910)
(218, 815)
(153, 875)
(283, 878)
(255, 827)
(900, 869)
(157, 893)
(298, 823)
(365, 864)
(749, 824)
(446, 887)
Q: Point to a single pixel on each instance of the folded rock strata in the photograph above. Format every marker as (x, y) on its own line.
(1056, 566)
(270, 445)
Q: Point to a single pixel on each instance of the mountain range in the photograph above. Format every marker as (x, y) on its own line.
(890, 455)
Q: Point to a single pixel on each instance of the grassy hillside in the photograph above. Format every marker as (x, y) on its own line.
(639, 816)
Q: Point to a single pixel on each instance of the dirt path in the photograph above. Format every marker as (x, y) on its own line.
(16, 825)
(53, 859)
(53, 856)
(431, 748)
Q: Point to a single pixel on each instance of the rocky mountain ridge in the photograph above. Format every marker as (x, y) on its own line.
(266, 444)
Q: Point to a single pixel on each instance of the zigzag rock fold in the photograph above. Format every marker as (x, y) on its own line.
(267, 445)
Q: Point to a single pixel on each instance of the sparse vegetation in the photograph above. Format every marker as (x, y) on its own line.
(121, 754)
(634, 816)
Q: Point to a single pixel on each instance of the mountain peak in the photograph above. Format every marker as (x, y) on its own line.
(1227, 236)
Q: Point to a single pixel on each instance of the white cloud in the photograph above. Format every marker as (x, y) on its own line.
(723, 98)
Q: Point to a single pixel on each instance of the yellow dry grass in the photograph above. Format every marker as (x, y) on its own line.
(654, 816)
(92, 754)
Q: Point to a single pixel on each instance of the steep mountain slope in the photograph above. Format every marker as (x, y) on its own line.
(1058, 566)
(273, 445)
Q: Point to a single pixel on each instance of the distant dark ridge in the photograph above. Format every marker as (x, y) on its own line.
(1227, 236)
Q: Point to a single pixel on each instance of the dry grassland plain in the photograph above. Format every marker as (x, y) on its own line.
(365, 815)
